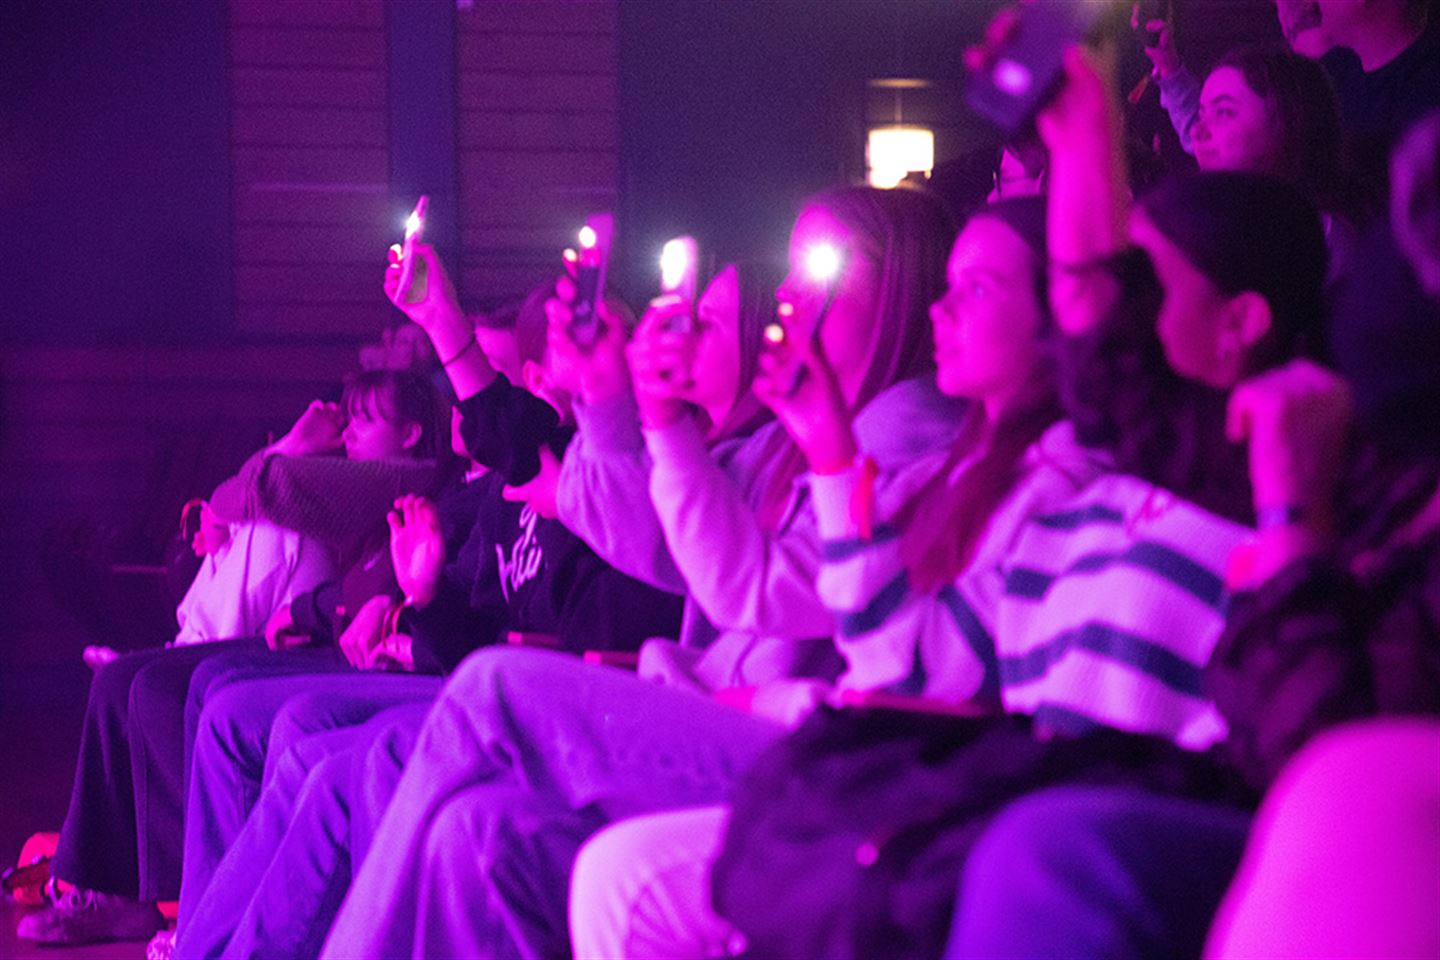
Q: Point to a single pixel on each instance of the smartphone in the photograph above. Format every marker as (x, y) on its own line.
(414, 233)
(823, 263)
(592, 258)
(680, 277)
(1145, 11)
(1026, 68)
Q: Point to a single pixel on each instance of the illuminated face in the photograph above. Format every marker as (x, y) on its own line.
(1189, 322)
(846, 333)
(369, 436)
(986, 325)
(716, 369)
(1235, 129)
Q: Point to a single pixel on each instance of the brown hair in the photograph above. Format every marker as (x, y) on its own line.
(906, 234)
(398, 398)
(944, 521)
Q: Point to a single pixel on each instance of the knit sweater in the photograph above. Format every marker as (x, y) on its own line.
(342, 503)
(1095, 599)
(661, 506)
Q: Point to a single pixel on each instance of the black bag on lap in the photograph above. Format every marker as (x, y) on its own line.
(848, 836)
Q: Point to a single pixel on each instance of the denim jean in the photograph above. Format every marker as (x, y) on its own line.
(281, 880)
(1088, 871)
(236, 743)
(524, 755)
(122, 831)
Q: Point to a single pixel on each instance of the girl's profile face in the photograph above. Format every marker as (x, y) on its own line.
(369, 436)
(987, 323)
(846, 333)
(716, 370)
(1189, 323)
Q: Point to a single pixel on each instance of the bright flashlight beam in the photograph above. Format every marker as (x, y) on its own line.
(822, 262)
(674, 261)
(587, 237)
(412, 224)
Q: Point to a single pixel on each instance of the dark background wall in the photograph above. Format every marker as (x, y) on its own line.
(197, 196)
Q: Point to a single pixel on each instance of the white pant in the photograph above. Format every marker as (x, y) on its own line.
(641, 889)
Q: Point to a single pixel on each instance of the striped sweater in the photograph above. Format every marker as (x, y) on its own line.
(1095, 599)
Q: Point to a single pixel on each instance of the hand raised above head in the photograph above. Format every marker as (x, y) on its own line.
(598, 372)
(429, 298)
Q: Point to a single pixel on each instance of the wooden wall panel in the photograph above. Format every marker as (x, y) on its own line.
(539, 136)
(122, 437)
(309, 137)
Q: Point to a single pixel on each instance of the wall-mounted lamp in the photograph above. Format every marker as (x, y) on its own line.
(894, 151)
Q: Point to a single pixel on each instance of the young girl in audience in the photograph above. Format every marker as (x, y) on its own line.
(1272, 112)
(597, 607)
(1074, 643)
(120, 845)
(740, 540)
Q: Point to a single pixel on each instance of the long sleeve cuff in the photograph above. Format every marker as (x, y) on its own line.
(611, 426)
(832, 495)
(678, 445)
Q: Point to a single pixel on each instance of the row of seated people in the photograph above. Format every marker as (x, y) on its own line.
(995, 607)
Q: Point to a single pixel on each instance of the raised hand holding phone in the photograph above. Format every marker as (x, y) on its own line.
(661, 355)
(591, 261)
(599, 372)
(417, 284)
(797, 382)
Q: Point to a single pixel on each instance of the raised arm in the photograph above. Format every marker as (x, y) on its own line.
(1088, 197)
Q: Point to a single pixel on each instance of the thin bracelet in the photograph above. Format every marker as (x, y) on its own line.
(461, 352)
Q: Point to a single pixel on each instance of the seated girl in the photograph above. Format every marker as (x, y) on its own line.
(737, 534)
(1104, 610)
(120, 845)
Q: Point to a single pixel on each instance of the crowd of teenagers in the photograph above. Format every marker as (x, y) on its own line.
(1072, 590)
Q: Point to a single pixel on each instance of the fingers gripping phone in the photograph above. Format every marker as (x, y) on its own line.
(823, 263)
(1025, 68)
(679, 277)
(591, 261)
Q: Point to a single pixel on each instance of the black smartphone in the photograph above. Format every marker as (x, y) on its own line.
(414, 233)
(1025, 70)
(823, 263)
(591, 261)
(680, 277)
(1146, 11)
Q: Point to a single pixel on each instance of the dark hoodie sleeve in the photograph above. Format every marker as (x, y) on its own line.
(606, 610)
(504, 427)
(317, 613)
(470, 609)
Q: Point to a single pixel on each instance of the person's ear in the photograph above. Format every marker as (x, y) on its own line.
(411, 436)
(535, 378)
(1247, 319)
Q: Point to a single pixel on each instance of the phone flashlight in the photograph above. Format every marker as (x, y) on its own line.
(822, 262)
(679, 268)
(591, 260)
(414, 232)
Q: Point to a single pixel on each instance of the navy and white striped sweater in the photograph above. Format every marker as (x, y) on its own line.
(1095, 599)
